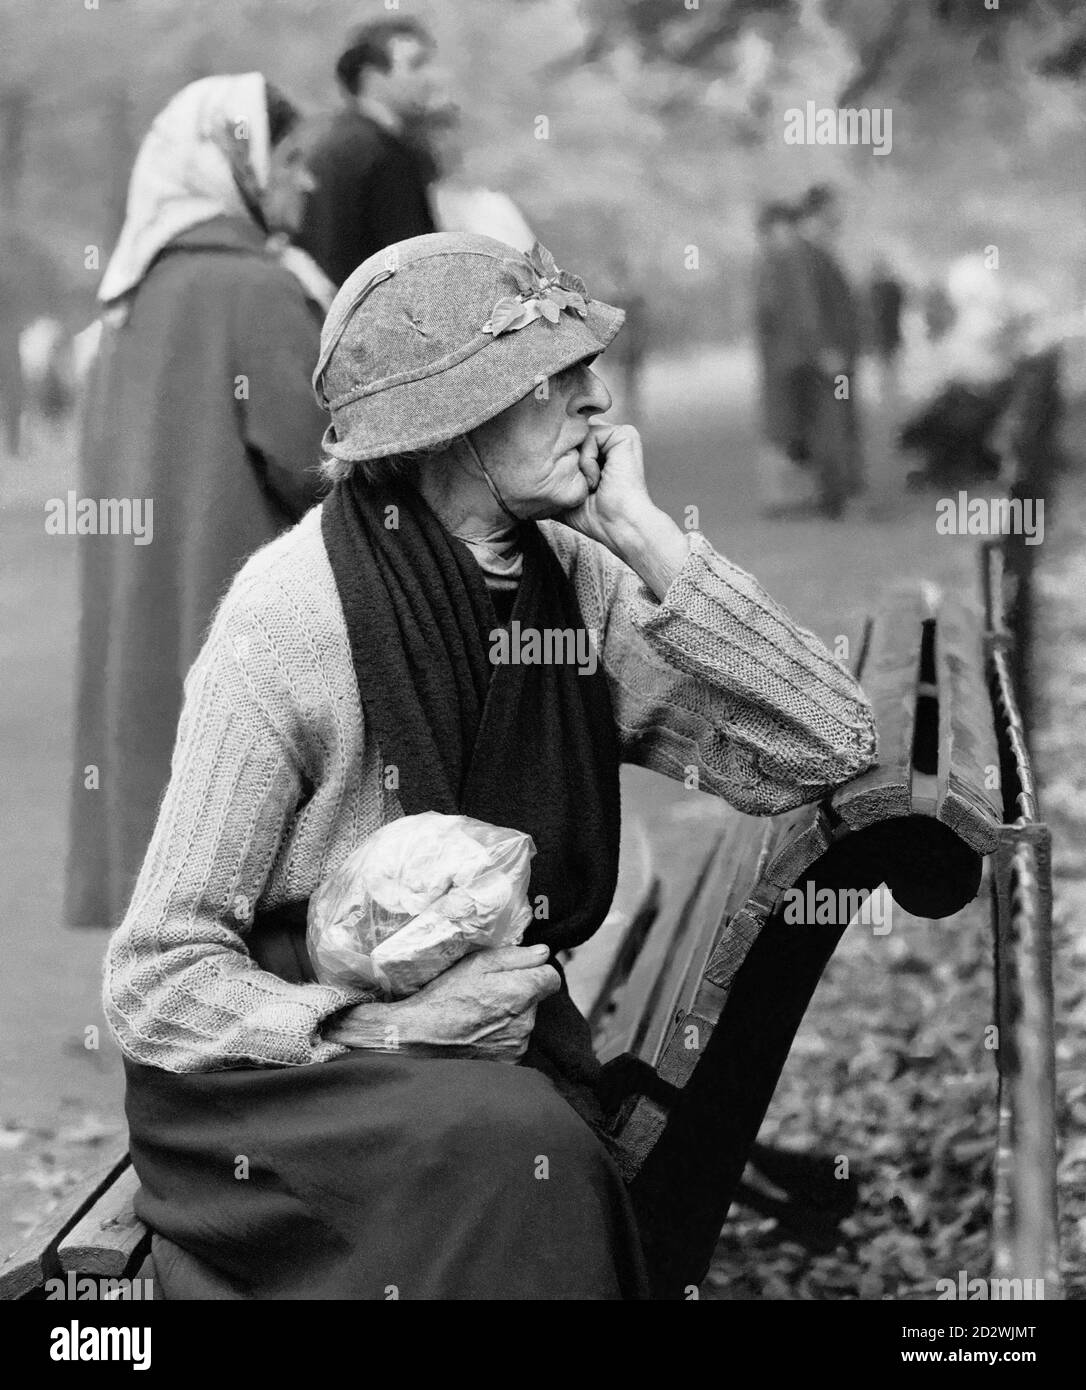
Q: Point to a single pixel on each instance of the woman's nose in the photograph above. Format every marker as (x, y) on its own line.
(593, 398)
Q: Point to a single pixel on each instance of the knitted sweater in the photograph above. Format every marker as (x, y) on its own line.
(274, 779)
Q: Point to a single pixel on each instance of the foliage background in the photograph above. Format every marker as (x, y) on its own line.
(666, 124)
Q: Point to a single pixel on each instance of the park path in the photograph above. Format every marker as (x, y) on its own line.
(59, 1100)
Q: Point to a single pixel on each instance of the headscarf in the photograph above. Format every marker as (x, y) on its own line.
(206, 146)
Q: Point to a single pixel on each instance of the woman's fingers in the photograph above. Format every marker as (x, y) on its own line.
(543, 981)
(620, 454)
(511, 957)
(525, 980)
(589, 460)
(525, 988)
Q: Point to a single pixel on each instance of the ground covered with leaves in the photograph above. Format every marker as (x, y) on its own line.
(890, 1073)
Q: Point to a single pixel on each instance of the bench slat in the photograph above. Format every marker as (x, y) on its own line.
(967, 737)
(595, 969)
(35, 1259)
(891, 679)
(602, 965)
(109, 1237)
(622, 1032)
(741, 859)
(728, 874)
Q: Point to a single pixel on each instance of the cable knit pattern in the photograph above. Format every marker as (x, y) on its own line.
(273, 780)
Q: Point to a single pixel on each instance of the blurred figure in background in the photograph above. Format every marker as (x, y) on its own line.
(835, 428)
(786, 331)
(199, 409)
(45, 355)
(31, 296)
(962, 431)
(371, 179)
(283, 205)
(885, 342)
(11, 373)
(939, 311)
(886, 303)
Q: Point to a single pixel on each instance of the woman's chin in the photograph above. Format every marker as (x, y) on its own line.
(576, 494)
(567, 498)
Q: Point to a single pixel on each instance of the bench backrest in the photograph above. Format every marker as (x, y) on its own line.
(700, 1029)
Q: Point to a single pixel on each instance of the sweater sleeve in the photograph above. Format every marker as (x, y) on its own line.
(180, 990)
(718, 680)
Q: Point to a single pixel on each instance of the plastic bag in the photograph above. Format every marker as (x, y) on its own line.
(414, 898)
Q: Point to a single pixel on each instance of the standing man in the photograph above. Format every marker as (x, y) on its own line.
(835, 432)
(886, 299)
(371, 181)
(11, 367)
(885, 305)
(786, 324)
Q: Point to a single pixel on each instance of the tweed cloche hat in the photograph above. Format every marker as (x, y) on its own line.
(433, 336)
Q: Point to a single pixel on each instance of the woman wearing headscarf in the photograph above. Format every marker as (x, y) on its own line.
(296, 1140)
(200, 418)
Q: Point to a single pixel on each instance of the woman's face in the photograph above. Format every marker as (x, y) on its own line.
(289, 184)
(532, 450)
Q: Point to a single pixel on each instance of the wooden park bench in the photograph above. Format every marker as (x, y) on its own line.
(696, 1002)
(695, 996)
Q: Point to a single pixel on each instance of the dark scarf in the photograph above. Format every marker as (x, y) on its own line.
(533, 747)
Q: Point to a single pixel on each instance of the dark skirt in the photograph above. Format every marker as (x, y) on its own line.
(378, 1176)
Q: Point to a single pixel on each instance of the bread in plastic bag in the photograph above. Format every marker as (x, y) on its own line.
(414, 898)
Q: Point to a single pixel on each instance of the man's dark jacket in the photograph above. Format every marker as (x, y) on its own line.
(371, 192)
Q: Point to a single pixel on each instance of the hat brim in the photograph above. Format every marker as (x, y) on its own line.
(418, 414)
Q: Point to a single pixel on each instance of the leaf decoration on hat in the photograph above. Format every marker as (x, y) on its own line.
(523, 275)
(542, 262)
(545, 291)
(511, 313)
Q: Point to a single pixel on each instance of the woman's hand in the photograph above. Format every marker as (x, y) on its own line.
(618, 511)
(483, 1006)
(612, 463)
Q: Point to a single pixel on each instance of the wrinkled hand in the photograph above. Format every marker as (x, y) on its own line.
(618, 511)
(612, 462)
(483, 1007)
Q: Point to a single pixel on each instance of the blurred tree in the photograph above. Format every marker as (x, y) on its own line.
(876, 30)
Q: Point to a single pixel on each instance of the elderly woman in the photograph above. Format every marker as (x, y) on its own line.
(300, 1141)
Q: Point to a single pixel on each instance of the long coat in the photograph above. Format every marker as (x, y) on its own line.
(829, 425)
(787, 328)
(199, 407)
